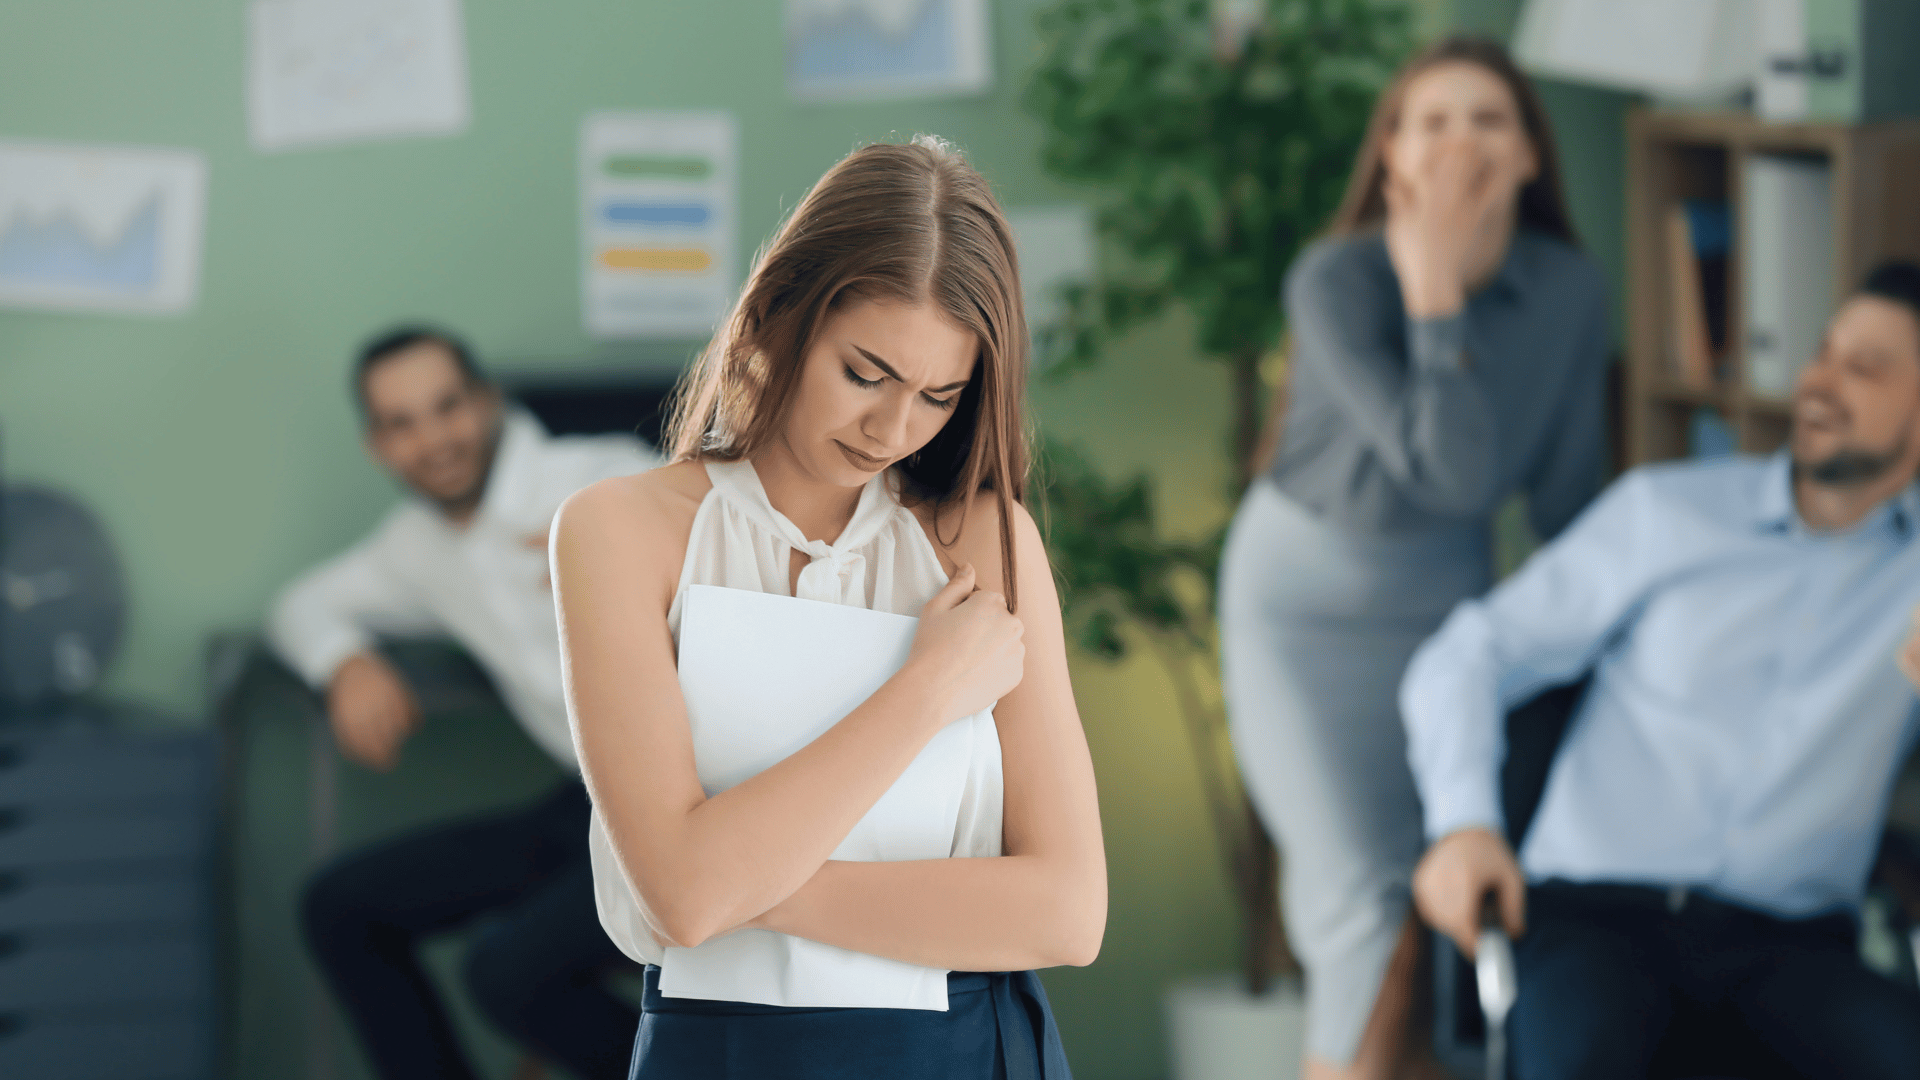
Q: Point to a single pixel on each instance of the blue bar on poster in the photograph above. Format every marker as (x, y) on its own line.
(636, 213)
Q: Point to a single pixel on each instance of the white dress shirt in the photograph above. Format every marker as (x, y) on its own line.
(484, 584)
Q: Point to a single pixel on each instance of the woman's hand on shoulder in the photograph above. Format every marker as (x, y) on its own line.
(969, 646)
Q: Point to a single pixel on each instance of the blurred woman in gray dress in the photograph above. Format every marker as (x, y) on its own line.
(1449, 349)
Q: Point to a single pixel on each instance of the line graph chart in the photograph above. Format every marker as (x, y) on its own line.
(104, 228)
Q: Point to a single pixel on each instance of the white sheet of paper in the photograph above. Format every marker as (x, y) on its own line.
(854, 50)
(100, 228)
(763, 676)
(333, 71)
(658, 190)
(1700, 48)
(1057, 247)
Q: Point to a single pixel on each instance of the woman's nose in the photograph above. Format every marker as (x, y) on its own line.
(888, 423)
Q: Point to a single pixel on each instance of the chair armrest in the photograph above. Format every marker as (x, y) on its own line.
(240, 665)
(1495, 976)
(1898, 867)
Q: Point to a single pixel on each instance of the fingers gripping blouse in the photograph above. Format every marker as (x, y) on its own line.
(882, 561)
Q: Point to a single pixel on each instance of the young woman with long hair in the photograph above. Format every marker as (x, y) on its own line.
(1449, 350)
(854, 435)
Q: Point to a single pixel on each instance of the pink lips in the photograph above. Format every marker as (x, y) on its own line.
(859, 460)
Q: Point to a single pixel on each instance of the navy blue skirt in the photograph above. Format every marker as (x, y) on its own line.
(997, 1026)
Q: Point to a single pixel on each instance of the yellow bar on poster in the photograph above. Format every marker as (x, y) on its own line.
(636, 258)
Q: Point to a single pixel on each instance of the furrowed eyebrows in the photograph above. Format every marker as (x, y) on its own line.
(888, 368)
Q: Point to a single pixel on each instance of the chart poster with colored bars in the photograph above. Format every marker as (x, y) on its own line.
(100, 228)
(657, 199)
(853, 50)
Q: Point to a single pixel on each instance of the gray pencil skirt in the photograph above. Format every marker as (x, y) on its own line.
(1317, 625)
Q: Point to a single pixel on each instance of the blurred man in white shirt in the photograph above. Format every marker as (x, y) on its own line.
(464, 555)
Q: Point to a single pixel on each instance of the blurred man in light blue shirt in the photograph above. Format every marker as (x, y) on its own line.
(1704, 840)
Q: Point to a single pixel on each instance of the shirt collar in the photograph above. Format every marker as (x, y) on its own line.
(1512, 277)
(1903, 512)
(515, 463)
(1775, 511)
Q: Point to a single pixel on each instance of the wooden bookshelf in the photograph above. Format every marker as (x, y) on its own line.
(1676, 156)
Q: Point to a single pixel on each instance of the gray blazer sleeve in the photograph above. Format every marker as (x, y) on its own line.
(1413, 404)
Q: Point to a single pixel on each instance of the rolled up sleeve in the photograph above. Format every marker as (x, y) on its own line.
(338, 608)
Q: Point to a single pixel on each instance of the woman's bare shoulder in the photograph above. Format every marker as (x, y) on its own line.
(653, 510)
(971, 534)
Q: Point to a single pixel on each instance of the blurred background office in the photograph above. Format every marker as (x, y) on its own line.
(206, 206)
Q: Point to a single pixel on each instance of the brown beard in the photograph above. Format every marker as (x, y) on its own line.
(462, 506)
(1847, 468)
(1853, 467)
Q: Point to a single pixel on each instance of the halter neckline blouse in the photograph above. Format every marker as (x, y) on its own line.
(881, 561)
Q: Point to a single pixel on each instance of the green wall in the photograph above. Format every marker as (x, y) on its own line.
(1589, 124)
(219, 446)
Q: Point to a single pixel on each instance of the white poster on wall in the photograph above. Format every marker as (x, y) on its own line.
(1057, 248)
(657, 210)
(100, 228)
(321, 72)
(841, 50)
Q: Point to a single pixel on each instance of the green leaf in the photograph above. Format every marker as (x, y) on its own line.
(1214, 173)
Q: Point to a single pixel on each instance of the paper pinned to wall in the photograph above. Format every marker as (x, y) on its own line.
(1057, 248)
(1780, 88)
(100, 228)
(657, 206)
(1701, 50)
(841, 50)
(330, 71)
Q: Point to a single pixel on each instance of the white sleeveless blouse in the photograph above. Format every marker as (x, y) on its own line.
(882, 561)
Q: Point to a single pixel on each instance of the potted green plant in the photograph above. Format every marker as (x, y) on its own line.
(1219, 135)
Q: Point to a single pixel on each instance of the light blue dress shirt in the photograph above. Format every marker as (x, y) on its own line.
(1746, 720)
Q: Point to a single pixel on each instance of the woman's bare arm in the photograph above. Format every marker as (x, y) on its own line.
(1045, 902)
(701, 866)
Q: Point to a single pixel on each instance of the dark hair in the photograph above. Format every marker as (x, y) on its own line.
(1897, 280)
(398, 340)
(1543, 205)
(912, 223)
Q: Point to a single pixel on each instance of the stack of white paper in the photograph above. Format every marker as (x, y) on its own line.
(763, 676)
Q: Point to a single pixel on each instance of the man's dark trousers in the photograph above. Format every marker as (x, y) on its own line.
(537, 969)
(1609, 972)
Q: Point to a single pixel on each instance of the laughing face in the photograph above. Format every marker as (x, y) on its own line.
(431, 426)
(1856, 408)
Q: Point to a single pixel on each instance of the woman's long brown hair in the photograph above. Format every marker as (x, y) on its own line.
(1542, 203)
(912, 223)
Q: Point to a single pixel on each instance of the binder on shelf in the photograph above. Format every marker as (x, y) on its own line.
(1786, 266)
(1709, 435)
(1698, 238)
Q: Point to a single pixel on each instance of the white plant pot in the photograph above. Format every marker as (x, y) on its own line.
(1217, 1031)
